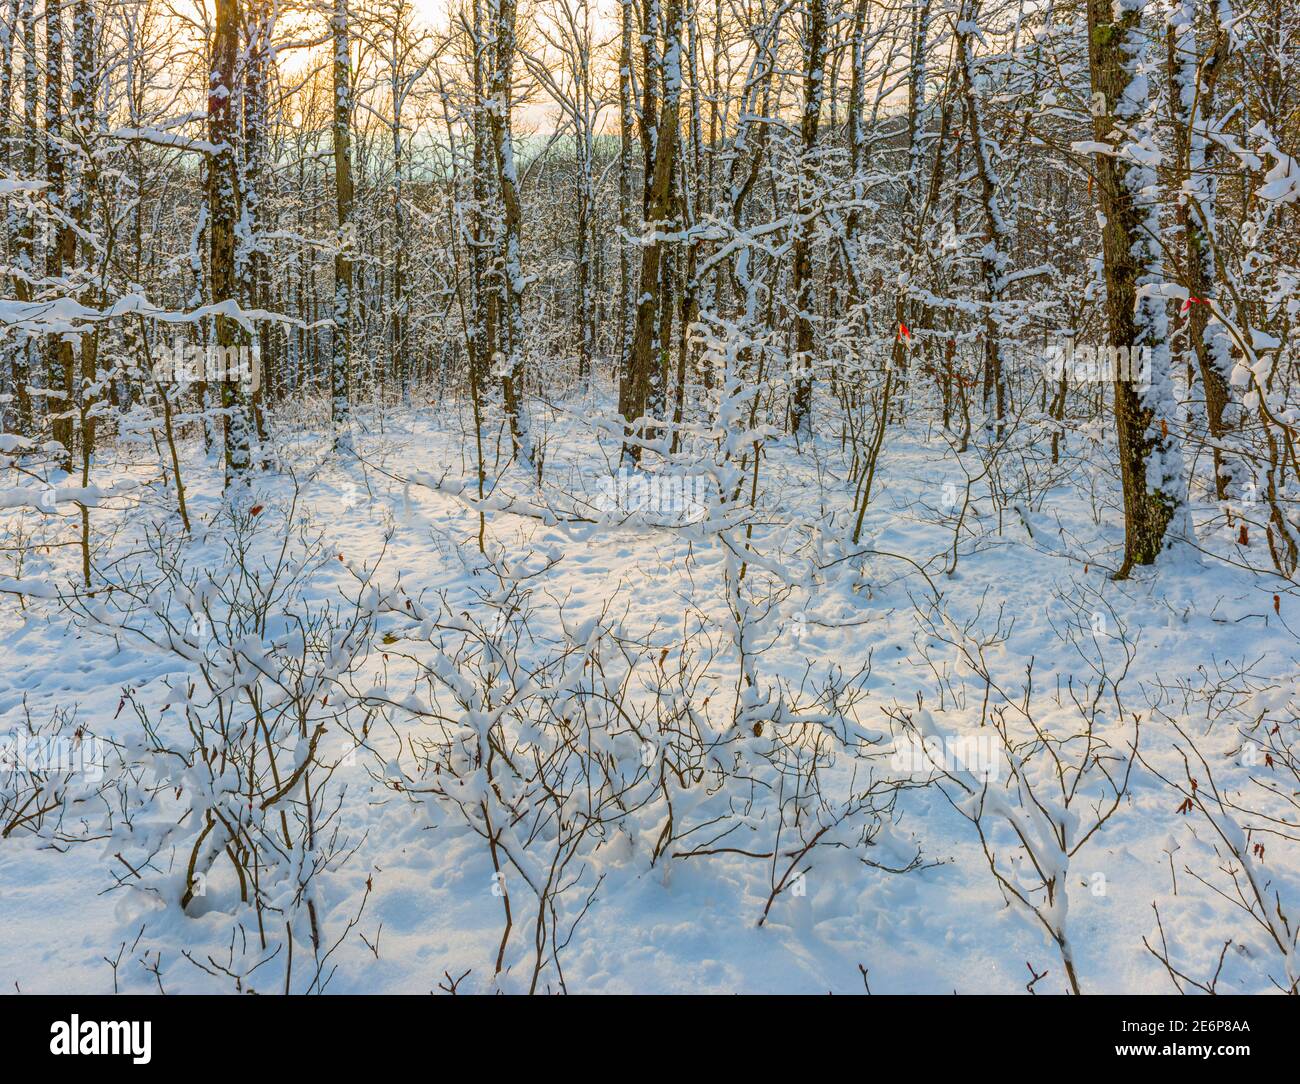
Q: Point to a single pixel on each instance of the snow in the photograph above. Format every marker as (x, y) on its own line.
(616, 586)
(678, 923)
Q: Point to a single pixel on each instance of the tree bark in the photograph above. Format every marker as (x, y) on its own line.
(994, 254)
(511, 327)
(661, 148)
(814, 86)
(223, 215)
(63, 252)
(340, 359)
(1149, 459)
(1193, 85)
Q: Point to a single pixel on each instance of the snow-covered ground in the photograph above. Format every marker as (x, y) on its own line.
(852, 655)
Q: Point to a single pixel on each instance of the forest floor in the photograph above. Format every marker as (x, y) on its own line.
(1210, 634)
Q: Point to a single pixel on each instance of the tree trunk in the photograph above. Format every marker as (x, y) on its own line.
(21, 221)
(1150, 462)
(626, 123)
(661, 142)
(814, 84)
(340, 358)
(223, 215)
(63, 252)
(1194, 175)
(511, 327)
(994, 254)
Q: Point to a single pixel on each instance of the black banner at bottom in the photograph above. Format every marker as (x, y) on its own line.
(274, 1034)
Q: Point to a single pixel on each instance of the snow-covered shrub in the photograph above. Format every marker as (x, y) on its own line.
(1235, 772)
(1063, 761)
(552, 743)
(57, 779)
(237, 807)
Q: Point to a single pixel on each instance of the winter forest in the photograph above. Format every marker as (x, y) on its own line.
(604, 496)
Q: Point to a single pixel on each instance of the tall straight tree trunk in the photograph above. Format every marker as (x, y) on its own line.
(81, 116)
(814, 87)
(714, 288)
(8, 30)
(14, 359)
(82, 120)
(397, 359)
(994, 256)
(340, 358)
(1150, 460)
(857, 137)
(582, 263)
(254, 272)
(661, 145)
(63, 252)
(511, 327)
(626, 124)
(912, 213)
(1193, 87)
(223, 215)
(481, 337)
(586, 268)
(21, 222)
(690, 199)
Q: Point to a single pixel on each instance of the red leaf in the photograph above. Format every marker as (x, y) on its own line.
(257, 508)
